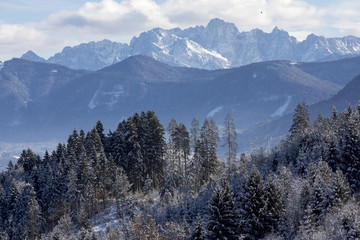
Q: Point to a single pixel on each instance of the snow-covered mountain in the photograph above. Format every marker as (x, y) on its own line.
(218, 45)
(92, 55)
(172, 49)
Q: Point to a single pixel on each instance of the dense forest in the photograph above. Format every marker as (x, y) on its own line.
(171, 184)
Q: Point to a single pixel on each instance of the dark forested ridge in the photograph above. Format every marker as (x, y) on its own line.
(42, 101)
(170, 184)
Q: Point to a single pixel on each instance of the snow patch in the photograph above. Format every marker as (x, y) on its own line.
(105, 219)
(280, 111)
(271, 98)
(92, 104)
(254, 75)
(54, 71)
(114, 95)
(214, 111)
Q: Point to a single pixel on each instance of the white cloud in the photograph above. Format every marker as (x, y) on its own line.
(109, 18)
(120, 20)
(343, 18)
(15, 38)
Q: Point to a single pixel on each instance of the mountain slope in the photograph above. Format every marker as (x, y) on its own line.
(348, 95)
(52, 100)
(24, 83)
(272, 130)
(340, 71)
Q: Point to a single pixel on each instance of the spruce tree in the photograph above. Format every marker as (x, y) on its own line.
(229, 138)
(194, 132)
(222, 217)
(206, 150)
(33, 219)
(199, 232)
(275, 208)
(301, 121)
(153, 146)
(252, 207)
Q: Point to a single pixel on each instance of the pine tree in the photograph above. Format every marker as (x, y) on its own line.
(134, 165)
(206, 150)
(100, 130)
(199, 231)
(194, 132)
(341, 192)
(181, 140)
(321, 195)
(153, 146)
(229, 137)
(72, 194)
(301, 121)
(350, 149)
(252, 207)
(118, 145)
(222, 217)
(275, 208)
(121, 188)
(308, 225)
(33, 219)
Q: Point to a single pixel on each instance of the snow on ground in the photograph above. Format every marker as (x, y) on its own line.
(92, 103)
(280, 111)
(106, 219)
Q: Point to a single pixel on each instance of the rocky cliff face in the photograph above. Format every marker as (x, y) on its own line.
(218, 45)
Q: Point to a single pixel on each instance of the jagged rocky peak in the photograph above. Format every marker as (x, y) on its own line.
(31, 56)
(220, 25)
(280, 32)
(218, 45)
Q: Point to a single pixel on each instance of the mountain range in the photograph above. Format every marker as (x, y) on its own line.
(219, 45)
(41, 101)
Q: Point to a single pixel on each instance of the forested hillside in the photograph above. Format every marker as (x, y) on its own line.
(170, 184)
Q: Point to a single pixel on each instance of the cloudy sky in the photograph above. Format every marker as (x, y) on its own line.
(47, 26)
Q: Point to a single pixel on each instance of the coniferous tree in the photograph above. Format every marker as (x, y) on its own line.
(118, 145)
(194, 132)
(229, 137)
(72, 194)
(301, 121)
(222, 217)
(206, 150)
(252, 207)
(341, 189)
(181, 140)
(134, 165)
(275, 208)
(33, 219)
(350, 149)
(199, 231)
(121, 188)
(100, 130)
(153, 145)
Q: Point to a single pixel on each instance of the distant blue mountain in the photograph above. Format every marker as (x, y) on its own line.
(42, 101)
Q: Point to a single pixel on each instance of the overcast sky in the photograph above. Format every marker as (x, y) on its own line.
(46, 26)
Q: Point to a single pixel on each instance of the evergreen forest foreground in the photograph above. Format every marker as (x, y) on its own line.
(169, 183)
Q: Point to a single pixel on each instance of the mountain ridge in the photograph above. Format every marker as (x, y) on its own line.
(78, 98)
(219, 45)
